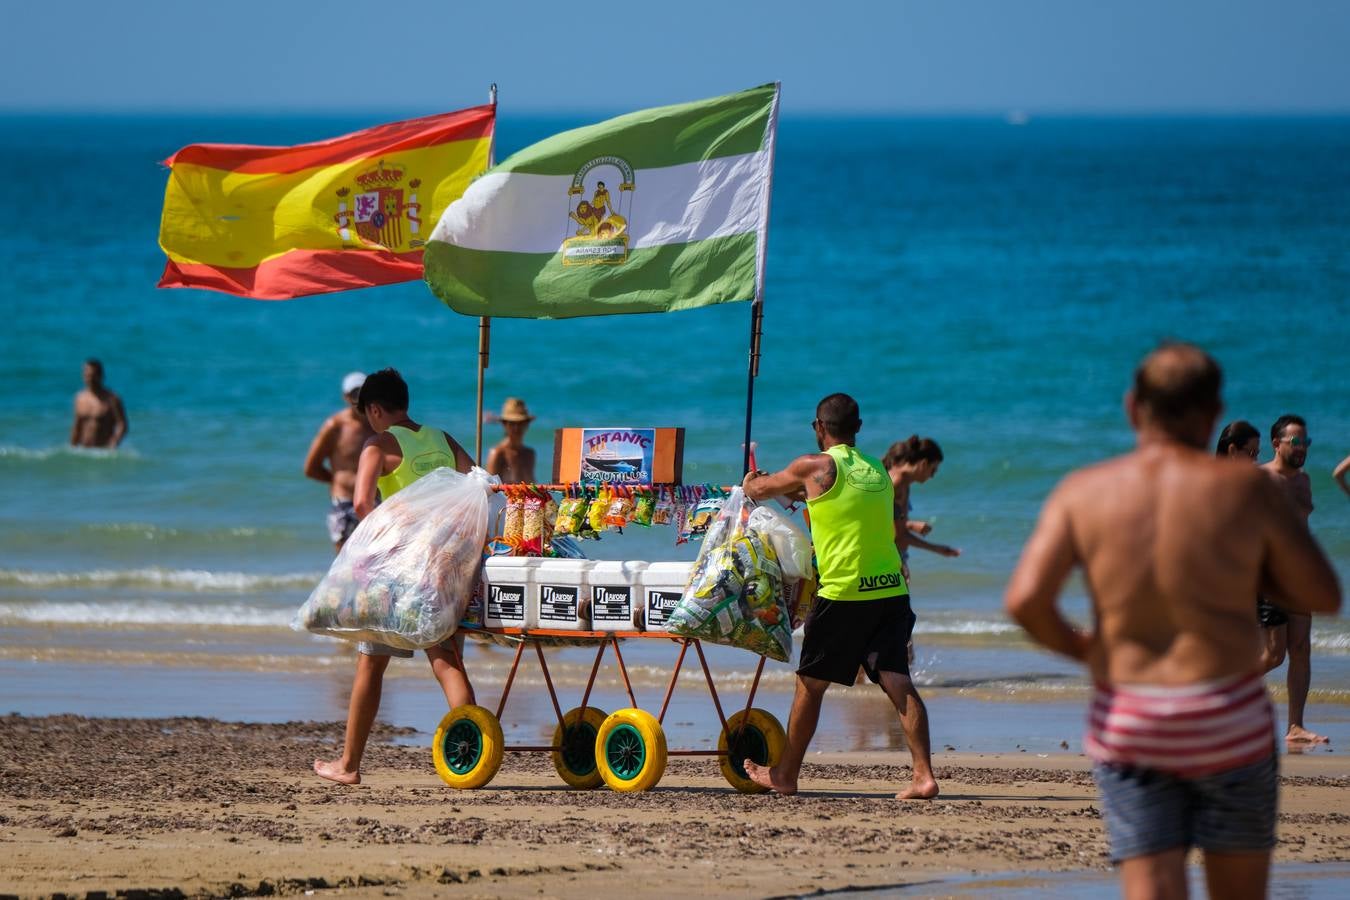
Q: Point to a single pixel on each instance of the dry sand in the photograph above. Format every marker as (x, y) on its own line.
(196, 807)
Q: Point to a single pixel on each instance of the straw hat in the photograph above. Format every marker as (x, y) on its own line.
(513, 410)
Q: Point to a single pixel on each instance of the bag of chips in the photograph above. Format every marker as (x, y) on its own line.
(513, 519)
(571, 513)
(595, 513)
(644, 507)
(532, 526)
(663, 508)
(406, 575)
(735, 593)
(620, 508)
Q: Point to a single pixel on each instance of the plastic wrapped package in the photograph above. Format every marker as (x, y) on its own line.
(789, 542)
(406, 575)
(735, 594)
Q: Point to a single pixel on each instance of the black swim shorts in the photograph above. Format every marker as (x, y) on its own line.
(842, 635)
(1270, 615)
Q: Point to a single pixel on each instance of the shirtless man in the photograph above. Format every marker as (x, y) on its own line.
(100, 419)
(862, 615)
(400, 452)
(511, 460)
(332, 459)
(1289, 438)
(1174, 544)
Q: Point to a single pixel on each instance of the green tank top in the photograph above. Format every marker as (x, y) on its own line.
(853, 530)
(422, 451)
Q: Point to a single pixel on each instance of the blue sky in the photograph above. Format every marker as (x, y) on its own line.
(939, 56)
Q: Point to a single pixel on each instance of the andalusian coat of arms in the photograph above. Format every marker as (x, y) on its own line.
(597, 226)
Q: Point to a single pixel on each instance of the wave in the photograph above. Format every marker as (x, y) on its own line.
(152, 614)
(196, 580)
(42, 454)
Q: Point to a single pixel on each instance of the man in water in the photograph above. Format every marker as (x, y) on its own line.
(400, 452)
(862, 615)
(1174, 544)
(1239, 440)
(100, 419)
(1289, 438)
(511, 460)
(332, 459)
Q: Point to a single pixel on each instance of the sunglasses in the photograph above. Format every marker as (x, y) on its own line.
(1298, 441)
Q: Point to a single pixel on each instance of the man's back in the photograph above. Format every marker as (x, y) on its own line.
(1172, 543)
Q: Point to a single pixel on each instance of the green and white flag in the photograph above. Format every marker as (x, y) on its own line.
(657, 210)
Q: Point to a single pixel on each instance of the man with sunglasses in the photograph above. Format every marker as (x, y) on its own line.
(332, 459)
(1289, 438)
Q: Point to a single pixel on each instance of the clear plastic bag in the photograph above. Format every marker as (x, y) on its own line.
(735, 594)
(792, 546)
(406, 575)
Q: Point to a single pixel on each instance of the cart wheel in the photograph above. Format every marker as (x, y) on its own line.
(761, 741)
(468, 747)
(630, 750)
(575, 762)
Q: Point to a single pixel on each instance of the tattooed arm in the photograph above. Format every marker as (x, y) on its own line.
(810, 475)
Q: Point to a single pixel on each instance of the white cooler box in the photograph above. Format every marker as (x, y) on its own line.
(662, 585)
(508, 583)
(616, 598)
(560, 598)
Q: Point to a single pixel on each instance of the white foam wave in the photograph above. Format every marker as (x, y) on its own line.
(1336, 643)
(201, 580)
(93, 614)
(38, 454)
(974, 626)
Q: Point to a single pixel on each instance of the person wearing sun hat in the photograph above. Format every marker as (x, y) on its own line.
(332, 459)
(510, 459)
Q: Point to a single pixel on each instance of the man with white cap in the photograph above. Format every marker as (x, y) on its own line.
(511, 459)
(333, 455)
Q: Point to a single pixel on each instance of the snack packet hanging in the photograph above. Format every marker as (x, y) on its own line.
(532, 525)
(704, 513)
(662, 511)
(513, 518)
(620, 508)
(595, 513)
(571, 513)
(679, 514)
(644, 507)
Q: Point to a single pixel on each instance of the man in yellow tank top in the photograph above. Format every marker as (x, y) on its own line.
(400, 452)
(862, 616)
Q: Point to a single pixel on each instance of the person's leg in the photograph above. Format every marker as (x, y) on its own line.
(447, 664)
(365, 703)
(1300, 679)
(1157, 876)
(1238, 875)
(914, 720)
(1274, 648)
(801, 727)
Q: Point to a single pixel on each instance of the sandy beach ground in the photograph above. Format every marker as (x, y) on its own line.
(144, 807)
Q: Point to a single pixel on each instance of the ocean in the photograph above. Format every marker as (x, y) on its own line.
(987, 284)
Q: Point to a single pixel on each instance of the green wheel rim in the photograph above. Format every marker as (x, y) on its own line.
(749, 744)
(626, 752)
(578, 748)
(462, 746)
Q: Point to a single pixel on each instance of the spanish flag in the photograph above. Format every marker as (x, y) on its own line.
(350, 212)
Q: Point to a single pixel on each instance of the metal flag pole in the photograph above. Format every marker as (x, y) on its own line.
(757, 307)
(485, 323)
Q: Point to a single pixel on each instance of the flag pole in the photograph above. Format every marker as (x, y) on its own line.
(757, 306)
(485, 323)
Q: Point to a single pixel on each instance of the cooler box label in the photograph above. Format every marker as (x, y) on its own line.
(611, 604)
(506, 602)
(660, 604)
(558, 603)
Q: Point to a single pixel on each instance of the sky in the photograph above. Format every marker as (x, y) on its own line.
(888, 56)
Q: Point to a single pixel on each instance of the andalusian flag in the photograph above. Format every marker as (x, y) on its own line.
(349, 212)
(657, 210)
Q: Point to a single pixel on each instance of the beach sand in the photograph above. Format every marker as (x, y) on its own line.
(200, 807)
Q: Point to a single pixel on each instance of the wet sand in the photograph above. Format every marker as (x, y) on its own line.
(198, 807)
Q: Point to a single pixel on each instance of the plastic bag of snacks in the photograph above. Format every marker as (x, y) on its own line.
(644, 507)
(662, 511)
(620, 509)
(532, 526)
(735, 593)
(513, 517)
(406, 575)
(792, 546)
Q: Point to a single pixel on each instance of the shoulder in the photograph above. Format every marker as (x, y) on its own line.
(812, 462)
(383, 441)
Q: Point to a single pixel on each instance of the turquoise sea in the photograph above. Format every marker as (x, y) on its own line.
(987, 284)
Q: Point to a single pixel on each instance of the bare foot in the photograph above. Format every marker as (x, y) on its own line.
(1297, 734)
(765, 777)
(919, 789)
(334, 771)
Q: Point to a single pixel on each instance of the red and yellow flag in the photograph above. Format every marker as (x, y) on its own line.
(350, 212)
